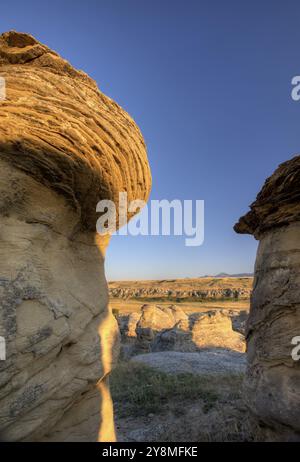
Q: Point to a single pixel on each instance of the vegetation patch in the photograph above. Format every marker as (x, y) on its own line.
(153, 406)
(139, 390)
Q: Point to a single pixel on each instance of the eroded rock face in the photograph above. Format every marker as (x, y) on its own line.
(155, 318)
(210, 330)
(77, 141)
(159, 328)
(159, 292)
(214, 330)
(63, 147)
(273, 377)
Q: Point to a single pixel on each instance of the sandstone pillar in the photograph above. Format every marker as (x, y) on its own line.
(273, 376)
(63, 147)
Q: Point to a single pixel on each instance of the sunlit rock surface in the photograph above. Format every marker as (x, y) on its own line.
(159, 328)
(273, 376)
(63, 147)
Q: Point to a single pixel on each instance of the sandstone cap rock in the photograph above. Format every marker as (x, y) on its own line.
(56, 126)
(277, 204)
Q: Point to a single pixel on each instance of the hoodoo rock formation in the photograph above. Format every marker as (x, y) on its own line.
(157, 328)
(273, 376)
(63, 147)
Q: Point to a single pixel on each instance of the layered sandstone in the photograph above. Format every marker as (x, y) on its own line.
(273, 376)
(63, 147)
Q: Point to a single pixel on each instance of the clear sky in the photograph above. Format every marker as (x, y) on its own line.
(209, 84)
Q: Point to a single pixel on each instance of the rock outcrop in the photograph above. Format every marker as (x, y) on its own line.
(159, 328)
(63, 147)
(214, 330)
(154, 319)
(208, 330)
(127, 293)
(273, 376)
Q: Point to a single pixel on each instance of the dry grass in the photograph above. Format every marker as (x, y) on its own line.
(153, 406)
(143, 390)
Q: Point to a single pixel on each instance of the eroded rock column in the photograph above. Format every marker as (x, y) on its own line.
(63, 147)
(273, 376)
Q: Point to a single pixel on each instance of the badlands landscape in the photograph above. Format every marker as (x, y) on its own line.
(171, 353)
(210, 288)
(182, 359)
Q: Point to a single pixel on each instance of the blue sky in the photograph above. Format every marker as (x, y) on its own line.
(209, 84)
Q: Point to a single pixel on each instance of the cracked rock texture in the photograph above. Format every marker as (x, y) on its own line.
(273, 377)
(63, 147)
